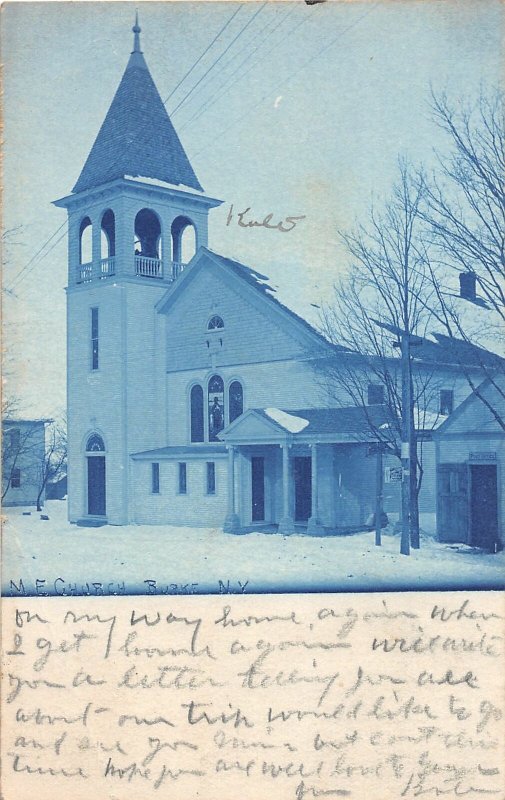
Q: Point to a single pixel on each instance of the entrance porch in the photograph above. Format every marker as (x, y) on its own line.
(298, 471)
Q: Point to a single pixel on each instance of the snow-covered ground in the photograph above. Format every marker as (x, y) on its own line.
(53, 550)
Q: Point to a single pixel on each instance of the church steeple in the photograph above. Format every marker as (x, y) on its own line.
(137, 137)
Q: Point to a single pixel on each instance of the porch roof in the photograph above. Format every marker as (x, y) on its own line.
(181, 452)
(348, 424)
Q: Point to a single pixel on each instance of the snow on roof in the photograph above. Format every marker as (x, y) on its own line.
(164, 184)
(427, 420)
(288, 421)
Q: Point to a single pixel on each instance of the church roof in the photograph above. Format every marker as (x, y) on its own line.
(346, 419)
(137, 137)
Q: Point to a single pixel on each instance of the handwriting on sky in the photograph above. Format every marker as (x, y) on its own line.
(189, 697)
(244, 219)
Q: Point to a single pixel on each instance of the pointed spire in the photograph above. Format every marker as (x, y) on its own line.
(136, 34)
(129, 145)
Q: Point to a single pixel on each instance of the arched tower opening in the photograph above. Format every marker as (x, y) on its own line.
(107, 244)
(108, 234)
(183, 242)
(85, 241)
(148, 244)
(147, 234)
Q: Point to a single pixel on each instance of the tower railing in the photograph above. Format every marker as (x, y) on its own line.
(177, 267)
(85, 273)
(144, 267)
(148, 267)
(107, 267)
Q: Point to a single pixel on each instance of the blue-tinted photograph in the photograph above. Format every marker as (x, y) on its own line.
(253, 296)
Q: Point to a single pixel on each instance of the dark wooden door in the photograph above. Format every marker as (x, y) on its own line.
(96, 485)
(258, 488)
(452, 503)
(484, 506)
(303, 488)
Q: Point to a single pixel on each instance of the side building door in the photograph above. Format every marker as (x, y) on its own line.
(484, 506)
(452, 503)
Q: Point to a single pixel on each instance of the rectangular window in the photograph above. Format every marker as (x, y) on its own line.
(155, 478)
(375, 394)
(446, 401)
(16, 478)
(211, 477)
(94, 338)
(183, 485)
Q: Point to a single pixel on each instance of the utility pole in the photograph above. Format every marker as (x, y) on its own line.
(406, 443)
(405, 341)
(378, 496)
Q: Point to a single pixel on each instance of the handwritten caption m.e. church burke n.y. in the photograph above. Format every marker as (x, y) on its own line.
(396, 696)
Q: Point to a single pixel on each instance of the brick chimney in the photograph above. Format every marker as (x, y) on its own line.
(467, 283)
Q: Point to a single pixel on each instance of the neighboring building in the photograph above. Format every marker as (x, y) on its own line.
(192, 393)
(470, 453)
(23, 453)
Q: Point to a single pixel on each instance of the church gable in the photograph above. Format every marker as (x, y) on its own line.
(217, 318)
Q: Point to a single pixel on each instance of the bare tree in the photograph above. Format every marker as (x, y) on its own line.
(389, 282)
(465, 212)
(53, 463)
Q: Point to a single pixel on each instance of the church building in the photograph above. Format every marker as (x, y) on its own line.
(192, 394)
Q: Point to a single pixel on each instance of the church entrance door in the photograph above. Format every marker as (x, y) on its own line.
(258, 488)
(303, 488)
(96, 485)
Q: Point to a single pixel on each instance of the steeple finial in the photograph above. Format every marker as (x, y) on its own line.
(136, 34)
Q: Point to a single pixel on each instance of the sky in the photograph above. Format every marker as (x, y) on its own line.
(294, 110)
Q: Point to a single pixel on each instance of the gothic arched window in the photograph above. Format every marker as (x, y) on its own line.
(215, 323)
(95, 444)
(215, 407)
(196, 401)
(235, 400)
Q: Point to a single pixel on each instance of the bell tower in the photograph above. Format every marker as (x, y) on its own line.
(136, 216)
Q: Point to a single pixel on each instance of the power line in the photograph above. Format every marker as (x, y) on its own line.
(227, 84)
(289, 77)
(190, 70)
(20, 277)
(241, 31)
(21, 274)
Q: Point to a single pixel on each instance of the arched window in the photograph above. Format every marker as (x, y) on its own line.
(215, 323)
(196, 401)
(183, 240)
(108, 238)
(215, 407)
(235, 400)
(147, 234)
(85, 241)
(95, 444)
